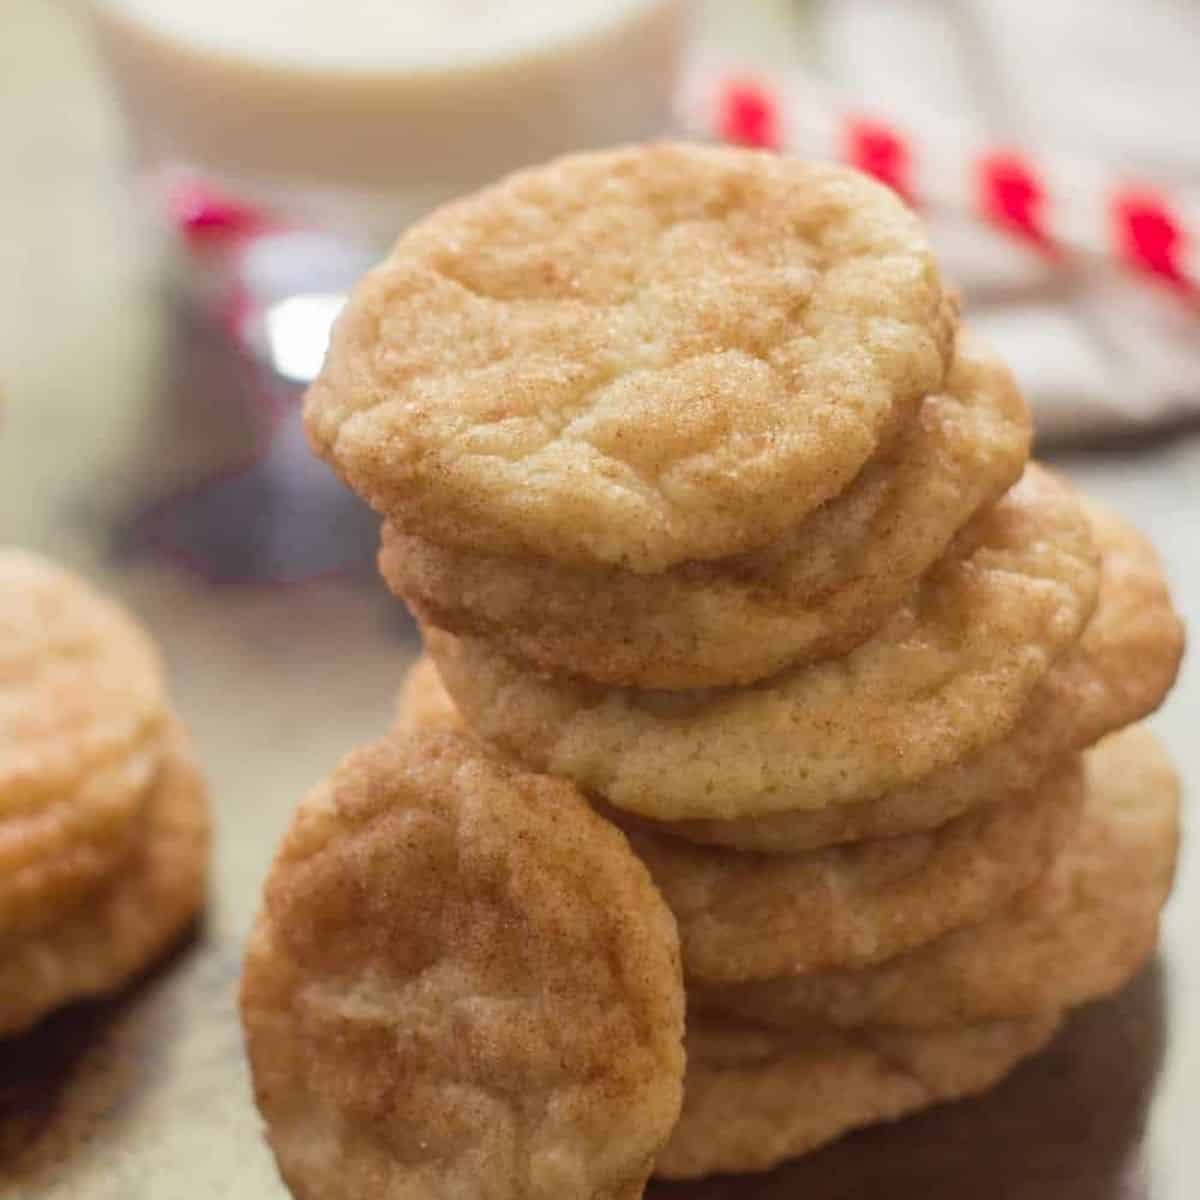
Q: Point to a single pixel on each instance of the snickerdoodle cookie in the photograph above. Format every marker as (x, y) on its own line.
(817, 590)
(82, 707)
(754, 1097)
(748, 916)
(1082, 930)
(634, 358)
(948, 674)
(462, 983)
(128, 921)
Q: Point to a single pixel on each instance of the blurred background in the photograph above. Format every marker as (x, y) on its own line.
(185, 191)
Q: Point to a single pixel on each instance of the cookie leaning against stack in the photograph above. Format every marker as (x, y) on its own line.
(461, 983)
(709, 508)
(103, 824)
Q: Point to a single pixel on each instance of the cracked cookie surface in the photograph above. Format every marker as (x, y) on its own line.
(462, 982)
(636, 357)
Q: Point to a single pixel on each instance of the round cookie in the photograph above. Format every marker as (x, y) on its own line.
(816, 591)
(755, 1097)
(753, 917)
(462, 982)
(1079, 932)
(949, 673)
(116, 932)
(1118, 673)
(82, 703)
(634, 358)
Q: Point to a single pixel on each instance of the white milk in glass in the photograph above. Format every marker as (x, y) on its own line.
(347, 119)
(367, 112)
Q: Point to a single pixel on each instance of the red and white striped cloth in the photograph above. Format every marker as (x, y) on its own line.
(1056, 205)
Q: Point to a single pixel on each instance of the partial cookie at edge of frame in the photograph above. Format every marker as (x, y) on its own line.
(115, 934)
(82, 707)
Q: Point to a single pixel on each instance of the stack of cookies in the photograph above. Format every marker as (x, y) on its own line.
(709, 507)
(103, 819)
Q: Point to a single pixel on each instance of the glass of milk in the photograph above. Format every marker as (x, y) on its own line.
(294, 139)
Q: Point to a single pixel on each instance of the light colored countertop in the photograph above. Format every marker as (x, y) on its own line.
(113, 400)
